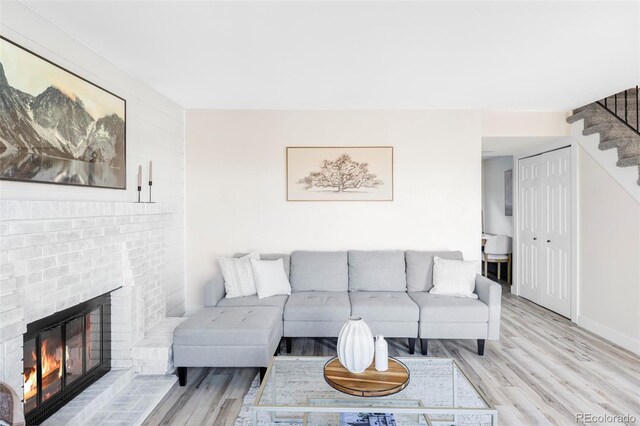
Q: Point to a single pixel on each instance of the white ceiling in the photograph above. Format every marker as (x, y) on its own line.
(287, 55)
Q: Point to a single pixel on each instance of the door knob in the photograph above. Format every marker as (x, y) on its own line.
(535, 238)
(548, 241)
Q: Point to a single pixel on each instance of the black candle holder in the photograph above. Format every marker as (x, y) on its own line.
(150, 185)
(139, 191)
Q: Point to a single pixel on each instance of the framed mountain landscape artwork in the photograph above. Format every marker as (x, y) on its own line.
(350, 173)
(57, 127)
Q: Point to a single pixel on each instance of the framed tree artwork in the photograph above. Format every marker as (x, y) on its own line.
(350, 173)
(57, 127)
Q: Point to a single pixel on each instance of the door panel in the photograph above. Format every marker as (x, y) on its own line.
(556, 186)
(544, 218)
(529, 224)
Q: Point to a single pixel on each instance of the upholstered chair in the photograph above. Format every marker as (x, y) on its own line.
(498, 250)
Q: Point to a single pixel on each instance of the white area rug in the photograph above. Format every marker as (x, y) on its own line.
(245, 417)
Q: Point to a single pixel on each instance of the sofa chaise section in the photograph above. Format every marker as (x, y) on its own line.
(227, 337)
(230, 332)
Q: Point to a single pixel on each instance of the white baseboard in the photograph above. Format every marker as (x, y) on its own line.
(629, 343)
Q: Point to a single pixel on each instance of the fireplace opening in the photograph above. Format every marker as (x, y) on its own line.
(64, 354)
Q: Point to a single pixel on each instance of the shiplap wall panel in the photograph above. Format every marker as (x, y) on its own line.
(155, 131)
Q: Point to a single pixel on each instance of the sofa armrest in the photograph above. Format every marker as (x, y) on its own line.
(490, 293)
(214, 289)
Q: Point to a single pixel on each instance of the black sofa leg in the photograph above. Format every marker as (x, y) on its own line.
(182, 375)
(263, 371)
(480, 347)
(424, 343)
(288, 343)
(412, 345)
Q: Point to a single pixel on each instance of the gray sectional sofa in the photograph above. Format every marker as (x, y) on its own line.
(388, 289)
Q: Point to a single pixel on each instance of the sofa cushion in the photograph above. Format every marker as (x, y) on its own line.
(239, 280)
(318, 306)
(286, 259)
(420, 267)
(377, 271)
(435, 308)
(230, 326)
(277, 301)
(383, 306)
(319, 271)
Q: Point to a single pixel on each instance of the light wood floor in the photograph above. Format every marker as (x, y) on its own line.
(543, 370)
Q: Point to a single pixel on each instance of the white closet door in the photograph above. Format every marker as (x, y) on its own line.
(556, 228)
(529, 223)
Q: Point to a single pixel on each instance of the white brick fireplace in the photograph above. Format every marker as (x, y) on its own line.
(56, 254)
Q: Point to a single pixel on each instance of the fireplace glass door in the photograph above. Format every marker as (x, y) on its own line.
(94, 334)
(30, 375)
(63, 354)
(51, 362)
(73, 357)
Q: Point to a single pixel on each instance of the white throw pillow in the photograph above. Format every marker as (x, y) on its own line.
(271, 278)
(238, 275)
(455, 277)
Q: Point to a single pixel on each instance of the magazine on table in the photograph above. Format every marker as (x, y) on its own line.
(367, 419)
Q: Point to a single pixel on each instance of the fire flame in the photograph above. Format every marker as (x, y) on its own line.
(50, 364)
(30, 380)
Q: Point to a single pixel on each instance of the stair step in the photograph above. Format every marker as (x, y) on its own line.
(576, 116)
(597, 128)
(629, 162)
(592, 105)
(599, 117)
(586, 111)
(615, 142)
(629, 150)
(608, 130)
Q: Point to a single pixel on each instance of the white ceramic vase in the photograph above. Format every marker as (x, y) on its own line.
(382, 353)
(355, 345)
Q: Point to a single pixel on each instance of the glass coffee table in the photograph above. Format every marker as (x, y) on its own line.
(439, 392)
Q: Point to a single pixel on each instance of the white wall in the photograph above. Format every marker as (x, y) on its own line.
(609, 256)
(236, 185)
(495, 221)
(513, 124)
(155, 131)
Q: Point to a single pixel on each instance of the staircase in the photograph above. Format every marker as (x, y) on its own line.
(616, 120)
